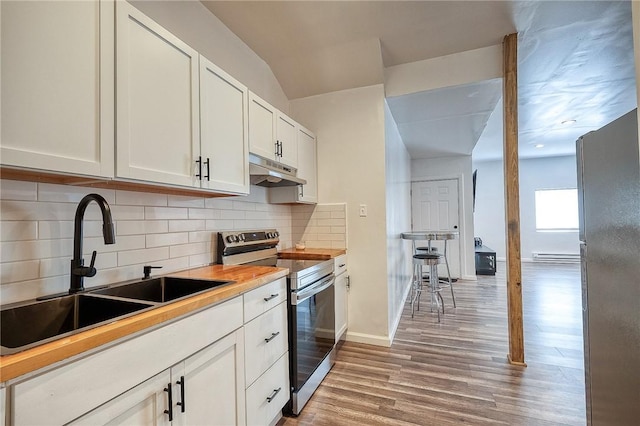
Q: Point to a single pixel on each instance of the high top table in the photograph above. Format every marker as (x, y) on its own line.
(434, 236)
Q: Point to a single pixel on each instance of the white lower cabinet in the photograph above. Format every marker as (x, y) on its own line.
(267, 396)
(206, 388)
(341, 295)
(114, 383)
(266, 352)
(143, 405)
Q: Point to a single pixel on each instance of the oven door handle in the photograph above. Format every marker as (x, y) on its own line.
(313, 290)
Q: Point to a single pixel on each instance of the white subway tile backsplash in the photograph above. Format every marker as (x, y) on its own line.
(183, 201)
(201, 236)
(27, 290)
(232, 214)
(18, 271)
(166, 213)
(338, 214)
(177, 232)
(188, 249)
(320, 226)
(186, 225)
(132, 257)
(141, 227)
(15, 251)
(126, 213)
(71, 194)
(218, 203)
(159, 240)
(18, 231)
(129, 198)
(203, 214)
(18, 190)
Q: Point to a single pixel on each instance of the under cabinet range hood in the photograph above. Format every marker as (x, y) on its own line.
(272, 174)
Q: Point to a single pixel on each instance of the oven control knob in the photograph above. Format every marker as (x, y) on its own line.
(229, 238)
(276, 234)
(269, 234)
(241, 237)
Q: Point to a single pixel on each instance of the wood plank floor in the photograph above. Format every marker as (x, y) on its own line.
(456, 372)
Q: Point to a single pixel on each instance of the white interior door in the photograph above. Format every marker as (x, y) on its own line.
(434, 207)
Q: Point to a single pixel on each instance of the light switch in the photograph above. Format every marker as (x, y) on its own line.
(363, 210)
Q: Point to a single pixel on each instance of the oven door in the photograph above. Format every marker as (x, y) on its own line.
(312, 328)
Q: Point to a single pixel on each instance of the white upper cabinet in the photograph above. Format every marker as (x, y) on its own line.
(307, 166)
(57, 86)
(157, 102)
(224, 130)
(307, 170)
(286, 130)
(262, 131)
(272, 134)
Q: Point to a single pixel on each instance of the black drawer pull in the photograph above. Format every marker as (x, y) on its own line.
(170, 410)
(181, 403)
(273, 296)
(273, 336)
(273, 395)
(342, 265)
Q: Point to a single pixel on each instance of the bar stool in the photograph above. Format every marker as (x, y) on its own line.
(431, 260)
(445, 282)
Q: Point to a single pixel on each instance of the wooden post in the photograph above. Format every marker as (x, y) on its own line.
(512, 199)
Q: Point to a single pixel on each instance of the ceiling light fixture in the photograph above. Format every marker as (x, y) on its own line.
(539, 145)
(568, 122)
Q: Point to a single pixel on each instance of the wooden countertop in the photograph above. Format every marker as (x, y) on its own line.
(246, 278)
(311, 253)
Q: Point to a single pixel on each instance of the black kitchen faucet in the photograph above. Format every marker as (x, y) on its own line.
(78, 270)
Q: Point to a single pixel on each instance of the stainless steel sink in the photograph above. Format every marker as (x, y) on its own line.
(32, 324)
(160, 290)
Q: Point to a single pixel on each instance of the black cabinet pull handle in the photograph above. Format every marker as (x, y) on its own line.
(273, 296)
(170, 410)
(277, 150)
(342, 265)
(181, 403)
(199, 163)
(273, 395)
(208, 169)
(281, 149)
(273, 336)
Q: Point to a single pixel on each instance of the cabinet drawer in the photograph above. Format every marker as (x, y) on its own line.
(267, 396)
(263, 298)
(260, 354)
(340, 265)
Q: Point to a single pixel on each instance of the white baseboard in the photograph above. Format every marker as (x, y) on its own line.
(396, 321)
(370, 339)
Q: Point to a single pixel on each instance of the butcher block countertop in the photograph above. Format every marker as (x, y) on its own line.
(311, 253)
(246, 278)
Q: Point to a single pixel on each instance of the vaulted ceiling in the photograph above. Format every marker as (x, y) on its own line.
(575, 63)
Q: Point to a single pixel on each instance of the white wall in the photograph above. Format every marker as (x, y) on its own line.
(198, 27)
(635, 14)
(175, 232)
(454, 167)
(349, 125)
(398, 193)
(535, 173)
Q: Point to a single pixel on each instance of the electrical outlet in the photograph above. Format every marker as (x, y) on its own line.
(363, 210)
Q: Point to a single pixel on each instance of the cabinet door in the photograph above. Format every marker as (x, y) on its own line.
(212, 382)
(342, 285)
(144, 404)
(57, 86)
(262, 118)
(267, 395)
(224, 139)
(307, 166)
(157, 102)
(286, 135)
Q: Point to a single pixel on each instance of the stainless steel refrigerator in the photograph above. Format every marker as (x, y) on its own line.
(609, 205)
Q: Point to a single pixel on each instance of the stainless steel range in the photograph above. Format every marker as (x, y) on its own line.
(311, 312)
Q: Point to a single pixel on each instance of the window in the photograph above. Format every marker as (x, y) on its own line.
(557, 210)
